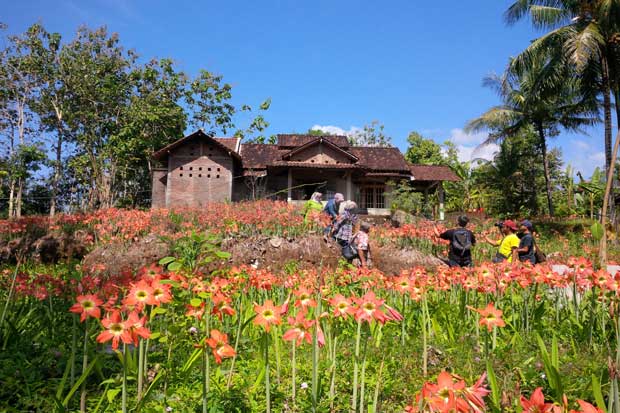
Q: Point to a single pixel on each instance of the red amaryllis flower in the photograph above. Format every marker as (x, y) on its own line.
(161, 292)
(139, 295)
(87, 306)
(219, 343)
(304, 298)
(267, 314)
(342, 306)
(300, 331)
(137, 327)
(197, 312)
(536, 403)
(221, 306)
(586, 408)
(115, 330)
(369, 308)
(490, 316)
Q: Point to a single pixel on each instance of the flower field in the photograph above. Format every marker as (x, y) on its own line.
(170, 337)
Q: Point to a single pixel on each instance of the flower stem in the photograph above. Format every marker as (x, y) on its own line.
(267, 384)
(140, 368)
(356, 365)
(84, 365)
(293, 366)
(124, 391)
(232, 364)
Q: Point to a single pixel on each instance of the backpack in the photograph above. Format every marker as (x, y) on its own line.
(461, 241)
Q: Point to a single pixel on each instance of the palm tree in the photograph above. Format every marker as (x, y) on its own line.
(587, 34)
(543, 98)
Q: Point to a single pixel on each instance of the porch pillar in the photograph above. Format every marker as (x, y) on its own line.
(349, 187)
(440, 194)
(289, 185)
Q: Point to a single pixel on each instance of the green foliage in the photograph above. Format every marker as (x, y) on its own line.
(423, 151)
(405, 198)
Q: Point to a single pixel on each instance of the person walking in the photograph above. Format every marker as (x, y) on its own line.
(313, 206)
(332, 209)
(343, 228)
(461, 242)
(508, 245)
(526, 249)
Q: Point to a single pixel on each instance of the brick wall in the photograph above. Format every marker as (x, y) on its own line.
(158, 198)
(198, 173)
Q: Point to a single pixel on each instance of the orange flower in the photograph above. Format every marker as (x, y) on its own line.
(369, 308)
(267, 314)
(342, 306)
(300, 331)
(586, 408)
(304, 298)
(221, 306)
(536, 403)
(115, 330)
(219, 343)
(161, 292)
(140, 295)
(87, 306)
(137, 327)
(491, 317)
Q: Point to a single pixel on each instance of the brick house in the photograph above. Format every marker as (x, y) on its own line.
(198, 169)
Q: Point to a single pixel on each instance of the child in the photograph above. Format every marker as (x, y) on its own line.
(362, 244)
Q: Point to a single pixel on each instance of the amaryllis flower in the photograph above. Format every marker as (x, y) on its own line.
(267, 314)
(300, 330)
(536, 403)
(586, 408)
(369, 308)
(137, 327)
(139, 295)
(342, 306)
(115, 329)
(304, 298)
(221, 306)
(87, 306)
(197, 312)
(161, 292)
(490, 316)
(218, 341)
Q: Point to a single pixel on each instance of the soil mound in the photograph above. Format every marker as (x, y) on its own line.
(273, 253)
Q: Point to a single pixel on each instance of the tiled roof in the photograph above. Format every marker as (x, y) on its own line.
(316, 165)
(259, 155)
(292, 140)
(227, 144)
(433, 173)
(380, 159)
(319, 141)
(230, 143)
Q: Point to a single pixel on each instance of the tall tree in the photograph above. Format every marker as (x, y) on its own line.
(587, 34)
(421, 150)
(544, 97)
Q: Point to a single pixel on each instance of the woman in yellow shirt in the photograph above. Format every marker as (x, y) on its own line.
(508, 244)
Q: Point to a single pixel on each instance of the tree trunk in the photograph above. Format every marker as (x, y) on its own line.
(57, 174)
(608, 126)
(12, 199)
(18, 202)
(608, 186)
(543, 148)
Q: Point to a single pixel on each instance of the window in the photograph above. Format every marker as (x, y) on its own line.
(372, 196)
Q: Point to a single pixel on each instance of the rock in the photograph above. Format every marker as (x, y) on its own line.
(275, 242)
(119, 257)
(46, 249)
(400, 218)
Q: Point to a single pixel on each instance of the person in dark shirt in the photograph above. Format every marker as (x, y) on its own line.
(461, 242)
(332, 208)
(526, 248)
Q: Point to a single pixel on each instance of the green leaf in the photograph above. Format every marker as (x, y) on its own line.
(158, 310)
(597, 231)
(222, 254)
(79, 382)
(174, 266)
(598, 393)
(166, 260)
(495, 391)
(111, 394)
(195, 302)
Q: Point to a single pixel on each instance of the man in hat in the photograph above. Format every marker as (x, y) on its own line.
(526, 249)
(508, 245)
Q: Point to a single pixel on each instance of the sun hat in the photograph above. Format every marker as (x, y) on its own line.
(511, 224)
(527, 224)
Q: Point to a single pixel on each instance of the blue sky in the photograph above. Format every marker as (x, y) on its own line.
(338, 63)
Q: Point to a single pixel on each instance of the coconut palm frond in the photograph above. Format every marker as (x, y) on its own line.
(548, 16)
(585, 46)
(494, 119)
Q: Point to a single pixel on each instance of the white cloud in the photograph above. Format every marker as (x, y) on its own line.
(460, 137)
(468, 145)
(335, 130)
(580, 144)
